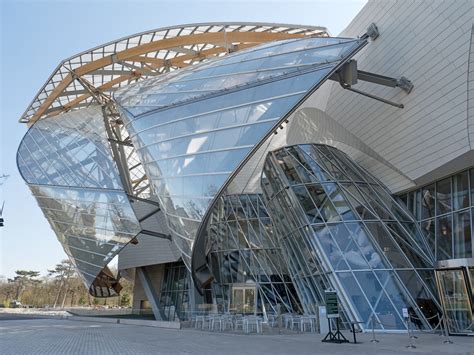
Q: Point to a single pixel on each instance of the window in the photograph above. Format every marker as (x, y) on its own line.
(461, 191)
(444, 238)
(428, 202)
(443, 196)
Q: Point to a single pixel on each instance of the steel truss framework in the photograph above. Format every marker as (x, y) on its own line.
(340, 228)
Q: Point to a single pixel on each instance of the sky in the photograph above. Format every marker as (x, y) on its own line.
(36, 35)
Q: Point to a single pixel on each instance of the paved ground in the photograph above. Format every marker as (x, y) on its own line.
(30, 335)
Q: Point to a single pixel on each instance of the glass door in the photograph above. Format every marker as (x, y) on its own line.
(455, 293)
(243, 299)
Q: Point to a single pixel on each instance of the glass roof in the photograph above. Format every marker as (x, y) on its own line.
(144, 55)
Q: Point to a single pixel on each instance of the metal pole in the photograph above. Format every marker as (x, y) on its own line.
(413, 336)
(373, 330)
(448, 339)
(411, 345)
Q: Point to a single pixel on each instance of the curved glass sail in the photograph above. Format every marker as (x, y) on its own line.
(194, 127)
(339, 227)
(68, 165)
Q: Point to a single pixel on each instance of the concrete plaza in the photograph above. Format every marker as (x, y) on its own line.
(33, 335)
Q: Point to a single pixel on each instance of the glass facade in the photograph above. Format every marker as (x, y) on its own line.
(245, 257)
(68, 166)
(340, 228)
(193, 127)
(445, 211)
(174, 296)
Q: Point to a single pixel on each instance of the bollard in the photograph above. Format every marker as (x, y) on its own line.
(373, 330)
(448, 339)
(411, 345)
(279, 317)
(412, 336)
(441, 333)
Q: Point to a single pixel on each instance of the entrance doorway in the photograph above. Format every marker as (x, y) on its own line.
(456, 292)
(244, 299)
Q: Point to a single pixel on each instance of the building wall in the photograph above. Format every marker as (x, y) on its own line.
(470, 93)
(149, 251)
(429, 42)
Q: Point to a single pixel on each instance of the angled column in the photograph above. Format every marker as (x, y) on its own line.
(150, 293)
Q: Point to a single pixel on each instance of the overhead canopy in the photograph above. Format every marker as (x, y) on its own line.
(116, 64)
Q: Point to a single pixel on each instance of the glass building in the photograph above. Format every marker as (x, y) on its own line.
(249, 167)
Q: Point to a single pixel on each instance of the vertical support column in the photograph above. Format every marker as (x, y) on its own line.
(150, 293)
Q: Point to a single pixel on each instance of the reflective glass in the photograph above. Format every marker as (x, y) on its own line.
(462, 235)
(92, 225)
(460, 191)
(443, 196)
(72, 151)
(428, 202)
(444, 237)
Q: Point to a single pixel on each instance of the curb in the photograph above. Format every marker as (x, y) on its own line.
(139, 322)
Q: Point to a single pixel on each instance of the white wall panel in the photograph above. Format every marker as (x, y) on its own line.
(428, 42)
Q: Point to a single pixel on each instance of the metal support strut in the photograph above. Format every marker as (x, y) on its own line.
(349, 75)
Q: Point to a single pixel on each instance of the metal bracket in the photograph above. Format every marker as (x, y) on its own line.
(373, 31)
(348, 75)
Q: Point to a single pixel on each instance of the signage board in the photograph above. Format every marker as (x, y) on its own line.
(405, 312)
(332, 306)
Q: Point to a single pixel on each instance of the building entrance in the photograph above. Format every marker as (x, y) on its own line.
(455, 286)
(244, 299)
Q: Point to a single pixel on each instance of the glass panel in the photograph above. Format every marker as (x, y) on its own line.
(443, 196)
(444, 237)
(388, 316)
(456, 300)
(461, 190)
(462, 235)
(326, 208)
(471, 179)
(385, 242)
(249, 300)
(73, 151)
(429, 228)
(428, 202)
(357, 297)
